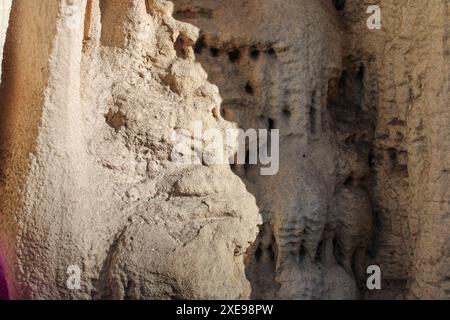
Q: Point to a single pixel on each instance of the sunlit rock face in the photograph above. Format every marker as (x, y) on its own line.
(87, 177)
(92, 91)
(5, 7)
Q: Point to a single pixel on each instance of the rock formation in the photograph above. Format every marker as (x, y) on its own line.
(92, 92)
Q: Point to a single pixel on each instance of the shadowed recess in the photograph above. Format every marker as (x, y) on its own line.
(4, 294)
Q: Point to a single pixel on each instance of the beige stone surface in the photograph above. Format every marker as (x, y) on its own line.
(79, 189)
(5, 8)
(410, 62)
(92, 91)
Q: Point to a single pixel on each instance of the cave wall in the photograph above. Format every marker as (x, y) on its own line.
(5, 8)
(409, 59)
(87, 177)
(92, 91)
(316, 210)
(374, 112)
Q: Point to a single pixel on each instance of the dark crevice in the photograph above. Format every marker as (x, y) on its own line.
(271, 52)
(302, 252)
(193, 13)
(337, 251)
(272, 254)
(312, 114)
(180, 47)
(286, 112)
(348, 181)
(254, 53)
(320, 251)
(234, 55)
(371, 159)
(372, 249)
(258, 254)
(359, 86)
(199, 45)
(214, 52)
(271, 124)
(249, 88)
(339, 4)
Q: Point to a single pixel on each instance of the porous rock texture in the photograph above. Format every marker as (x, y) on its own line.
(5, 7)
(86, 173)
(92, 90)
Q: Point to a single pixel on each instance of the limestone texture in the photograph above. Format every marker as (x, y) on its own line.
(92, 91)
(5, 7)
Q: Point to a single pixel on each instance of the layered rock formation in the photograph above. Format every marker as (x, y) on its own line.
(92, 91)
(87, 178)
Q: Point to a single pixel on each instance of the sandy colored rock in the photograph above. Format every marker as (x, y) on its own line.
(5, 8)
(92, 91)
(79, 193)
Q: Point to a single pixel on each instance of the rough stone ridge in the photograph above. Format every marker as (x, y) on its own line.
(92, 90)
(91, 183)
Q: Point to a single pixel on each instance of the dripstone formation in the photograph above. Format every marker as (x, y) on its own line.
(92, 91)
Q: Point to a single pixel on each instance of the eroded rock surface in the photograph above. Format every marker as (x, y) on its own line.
(94, 186)
(5, 7)
(92, 90)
